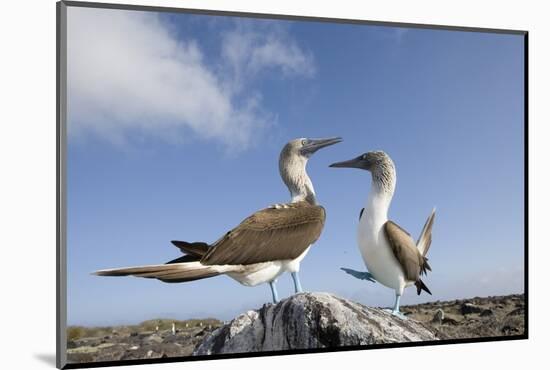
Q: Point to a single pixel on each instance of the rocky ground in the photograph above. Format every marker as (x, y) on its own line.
(307, 320)
(472, 318)
(150, 339)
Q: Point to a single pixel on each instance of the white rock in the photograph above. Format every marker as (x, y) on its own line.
(311, 320)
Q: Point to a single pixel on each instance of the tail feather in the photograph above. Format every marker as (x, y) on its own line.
(425, 239)
(185, 258)
(420, 286)
(197, 249)
(172, 272)
(425, 266)
(423, 244)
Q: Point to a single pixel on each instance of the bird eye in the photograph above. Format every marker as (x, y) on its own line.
(364, 156)
(304, 142)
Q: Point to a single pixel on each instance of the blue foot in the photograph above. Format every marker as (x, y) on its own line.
(359, 274)
(274, 293)
(297, 285)
(395, 310)
(399, 314)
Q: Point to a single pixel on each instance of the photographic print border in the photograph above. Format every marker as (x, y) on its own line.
(61, 187)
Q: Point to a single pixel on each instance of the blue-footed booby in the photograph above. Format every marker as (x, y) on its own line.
(389, 252)
(263, 246)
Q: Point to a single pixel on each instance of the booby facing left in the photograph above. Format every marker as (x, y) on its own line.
(389, 252)
(262, 247)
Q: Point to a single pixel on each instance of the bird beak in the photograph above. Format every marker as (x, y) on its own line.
(352, 163)
(315, 144)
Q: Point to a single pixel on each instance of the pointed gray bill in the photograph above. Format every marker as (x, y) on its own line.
(313, 145)
(358, 162)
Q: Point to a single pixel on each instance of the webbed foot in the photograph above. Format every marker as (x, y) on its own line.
(399, 314)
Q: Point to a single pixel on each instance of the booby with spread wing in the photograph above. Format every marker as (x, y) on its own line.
(262, 247)
(389, 252)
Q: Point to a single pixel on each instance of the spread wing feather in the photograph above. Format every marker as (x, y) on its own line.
(425, 239)
(405, 250)
(276, 233)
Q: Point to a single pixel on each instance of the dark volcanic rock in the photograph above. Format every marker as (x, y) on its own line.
(155, 350)
(469, 308)
(509, 330)
(311, 320)
(490, 317)
(517, 312)
(449, 321)
(137, 343)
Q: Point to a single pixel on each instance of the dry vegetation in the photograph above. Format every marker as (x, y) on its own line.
(149, 339)
(79, 332)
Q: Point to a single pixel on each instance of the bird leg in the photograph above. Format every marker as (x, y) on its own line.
(274, 291)
(359, 274)
(297, 285)
(395, 310)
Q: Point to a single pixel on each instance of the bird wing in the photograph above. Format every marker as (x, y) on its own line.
(280, 232)
(425, 239)
(405, 250)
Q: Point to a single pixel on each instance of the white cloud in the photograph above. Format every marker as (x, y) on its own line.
(128, 73)
(248, 52)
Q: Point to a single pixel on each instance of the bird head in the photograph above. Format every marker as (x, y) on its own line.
(379, 164)
(292, 165)
(304, 147)
(371, 161)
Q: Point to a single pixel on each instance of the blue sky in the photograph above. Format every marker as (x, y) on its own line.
(175, 126)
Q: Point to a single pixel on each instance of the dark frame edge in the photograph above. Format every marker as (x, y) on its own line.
(293, 352)
(287, 17)
(61, 216)
(526, 179)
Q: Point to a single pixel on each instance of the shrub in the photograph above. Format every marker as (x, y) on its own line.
(75, 332)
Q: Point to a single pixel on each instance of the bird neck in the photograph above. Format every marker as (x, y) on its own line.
(294, 175)
(380, 197)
